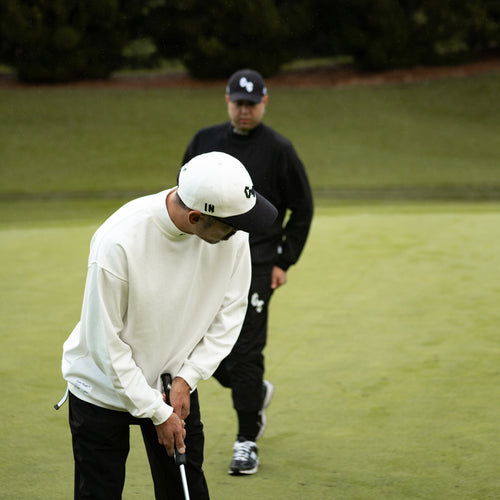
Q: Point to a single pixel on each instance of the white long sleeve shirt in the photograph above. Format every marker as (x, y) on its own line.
(156, 300)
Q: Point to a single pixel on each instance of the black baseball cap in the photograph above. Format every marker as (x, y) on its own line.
(246, 85)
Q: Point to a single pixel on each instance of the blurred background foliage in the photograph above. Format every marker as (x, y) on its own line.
(67, 40)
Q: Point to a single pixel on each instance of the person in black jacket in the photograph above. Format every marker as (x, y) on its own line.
(280, 176)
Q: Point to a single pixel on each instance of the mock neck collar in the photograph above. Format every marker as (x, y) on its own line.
(163, 220)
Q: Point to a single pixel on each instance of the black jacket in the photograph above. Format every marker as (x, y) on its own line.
(279, 175)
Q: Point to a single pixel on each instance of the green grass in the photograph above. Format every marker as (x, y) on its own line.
(431, 137)
(383, 347)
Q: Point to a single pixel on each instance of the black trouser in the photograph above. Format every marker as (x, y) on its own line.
(243, 369)
(101, 444)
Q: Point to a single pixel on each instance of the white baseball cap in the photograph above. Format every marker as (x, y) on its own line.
(218, 184)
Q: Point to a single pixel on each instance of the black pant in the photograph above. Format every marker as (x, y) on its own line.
(243, 369)
(101, 444)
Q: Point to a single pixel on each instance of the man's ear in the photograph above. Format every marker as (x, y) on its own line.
(194, 216)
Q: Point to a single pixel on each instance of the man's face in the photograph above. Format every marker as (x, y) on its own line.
(246, 115)
(212, 230)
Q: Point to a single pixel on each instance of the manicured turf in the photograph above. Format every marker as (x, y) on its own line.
(426, 136)
(383, 348)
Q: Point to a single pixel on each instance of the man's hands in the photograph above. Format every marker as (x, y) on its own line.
(171, 432)
(180, 397)
(278, 277)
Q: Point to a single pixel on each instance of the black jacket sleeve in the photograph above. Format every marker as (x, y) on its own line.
(299, 201)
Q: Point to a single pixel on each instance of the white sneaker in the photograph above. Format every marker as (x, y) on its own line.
(245, 458)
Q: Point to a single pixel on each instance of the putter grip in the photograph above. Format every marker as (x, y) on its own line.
(166, 380)
(180, 458)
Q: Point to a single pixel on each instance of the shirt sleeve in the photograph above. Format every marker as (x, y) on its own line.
(299, 202)
(103, 315)
(226, 325)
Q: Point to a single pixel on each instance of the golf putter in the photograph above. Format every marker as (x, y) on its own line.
(180, 458)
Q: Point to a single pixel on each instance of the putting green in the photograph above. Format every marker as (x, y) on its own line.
(383, 348)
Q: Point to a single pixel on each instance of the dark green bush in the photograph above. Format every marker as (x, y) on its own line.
(62, 40)
(402, 33)
(215, 38)
(459, 31)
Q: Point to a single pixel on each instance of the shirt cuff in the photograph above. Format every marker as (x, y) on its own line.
(162, 414)
(190, 375)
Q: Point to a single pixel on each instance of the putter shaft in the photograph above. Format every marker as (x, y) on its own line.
(184, 481)
(180, 459)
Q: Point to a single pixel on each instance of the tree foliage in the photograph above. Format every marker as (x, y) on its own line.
(215, 38)
(403, 33)
(60, 40)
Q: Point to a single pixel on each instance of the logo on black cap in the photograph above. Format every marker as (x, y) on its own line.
(246, 84)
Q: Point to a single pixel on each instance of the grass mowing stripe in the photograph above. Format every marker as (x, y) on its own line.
(434, 134)
(383, 348)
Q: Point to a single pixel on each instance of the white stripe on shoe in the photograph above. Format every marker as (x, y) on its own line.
(268, 396)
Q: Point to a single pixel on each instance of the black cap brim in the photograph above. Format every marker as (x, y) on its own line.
(257, 220)
(245, 96)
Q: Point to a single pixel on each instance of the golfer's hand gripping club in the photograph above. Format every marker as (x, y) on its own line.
(180, 458)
